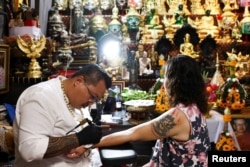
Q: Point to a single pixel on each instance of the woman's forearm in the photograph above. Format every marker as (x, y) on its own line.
(114, 139)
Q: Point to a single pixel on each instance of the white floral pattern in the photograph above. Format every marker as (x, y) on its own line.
(192, 153)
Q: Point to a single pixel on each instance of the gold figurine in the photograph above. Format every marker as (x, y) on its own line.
(187, 48)
(32, 50)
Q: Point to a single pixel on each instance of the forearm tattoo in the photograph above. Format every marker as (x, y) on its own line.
(162, 126)
(61, 145)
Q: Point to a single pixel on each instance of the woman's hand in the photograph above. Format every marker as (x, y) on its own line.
(76, 152)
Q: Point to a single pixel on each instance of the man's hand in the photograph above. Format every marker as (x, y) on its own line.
(89, 135)
(76, 152)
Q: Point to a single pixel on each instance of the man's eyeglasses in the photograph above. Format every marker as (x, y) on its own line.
(92, 97)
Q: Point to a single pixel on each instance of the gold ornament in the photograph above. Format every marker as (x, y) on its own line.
(32, 50)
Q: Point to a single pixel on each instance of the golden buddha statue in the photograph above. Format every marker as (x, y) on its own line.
(207, 26)
(169, 30)
(153, 30)
(160, 5)
(155, 20)
(196, 7)
(174, 6)
(187, 48)
(213, 6)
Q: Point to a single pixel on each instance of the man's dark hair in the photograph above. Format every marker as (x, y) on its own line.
(93, 73)
(184, 82)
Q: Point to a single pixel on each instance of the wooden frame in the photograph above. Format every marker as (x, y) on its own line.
(120, 84)
(4, 68)
(241, 127)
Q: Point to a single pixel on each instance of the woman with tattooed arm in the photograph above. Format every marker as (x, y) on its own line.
(181, 132)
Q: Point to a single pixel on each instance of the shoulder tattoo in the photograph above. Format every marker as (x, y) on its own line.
(162, 126)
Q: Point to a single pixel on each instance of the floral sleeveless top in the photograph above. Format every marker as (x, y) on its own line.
(192, 153)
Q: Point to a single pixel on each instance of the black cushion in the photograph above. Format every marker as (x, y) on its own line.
(118, 155)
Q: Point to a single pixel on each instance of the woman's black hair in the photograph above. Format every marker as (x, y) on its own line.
(184, 82)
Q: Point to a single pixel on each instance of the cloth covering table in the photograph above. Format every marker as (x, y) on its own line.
(215, 126)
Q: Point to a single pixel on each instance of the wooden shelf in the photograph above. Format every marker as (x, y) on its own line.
(244, 113)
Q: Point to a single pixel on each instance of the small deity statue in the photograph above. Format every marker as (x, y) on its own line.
(154, 22)
(133, 18)
(121, 4)
(197, 8)
(98, 23)
(64, 54)
(207, 26)
(174, 6)
(55, 24)
(235, 61)
(160, 5)
(140, 52)
(133, 23)
(228, 17)
(169, 30)
(113, 71)
(80, 22)
(90, 4)
(153, 56)
(153, 29)
(138, 3)
(62, 4)
(236, 33)
(187, 48)
(145, 65)
(180, 17)
(125, 35)
(106, 4)
(115, 26)
(92, 54)
(213, 6)
(150, 4)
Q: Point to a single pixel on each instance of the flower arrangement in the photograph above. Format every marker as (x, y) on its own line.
(161, 101)
(226, 142)
(232, 94)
